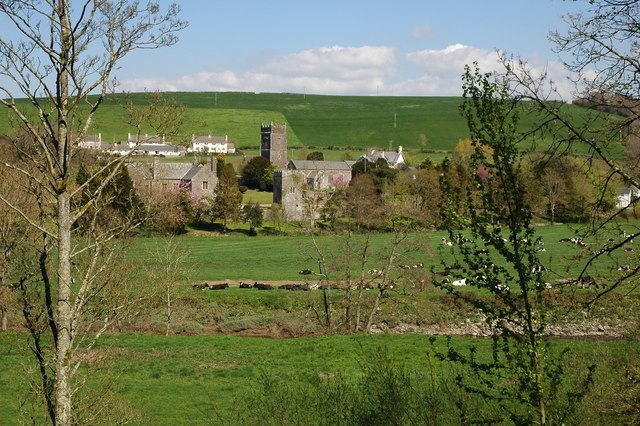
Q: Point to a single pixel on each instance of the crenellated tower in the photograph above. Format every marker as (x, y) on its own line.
(273, 143)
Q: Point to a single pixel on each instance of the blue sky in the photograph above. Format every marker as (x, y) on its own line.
(346, 47)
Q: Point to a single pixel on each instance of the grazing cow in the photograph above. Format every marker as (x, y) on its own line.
(306, 272)
(624, 268)
(261, 286)
(245, 285)
(459, 283)
(375, 272)
(202, 286)
(445, 242)
(587, 281)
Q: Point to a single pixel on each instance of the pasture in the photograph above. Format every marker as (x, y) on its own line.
(215, 379)
(418, 124)
(235, 256)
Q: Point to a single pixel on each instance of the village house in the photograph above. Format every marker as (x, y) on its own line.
(304, 187)
(394, 159)
(91, 142)
(142, 145)
(200, 180)
(212, 144)
(627, 196)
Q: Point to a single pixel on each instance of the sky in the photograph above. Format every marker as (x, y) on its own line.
(347, 47)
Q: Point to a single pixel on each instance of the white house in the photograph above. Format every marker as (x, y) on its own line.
(212, 144)
(144, 145)
(627, 196)
(394, 159)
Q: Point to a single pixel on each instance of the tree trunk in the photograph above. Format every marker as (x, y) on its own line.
(5, 317)
(65, 315)
(167, 331)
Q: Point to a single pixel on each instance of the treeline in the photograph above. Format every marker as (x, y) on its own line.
(379, 197)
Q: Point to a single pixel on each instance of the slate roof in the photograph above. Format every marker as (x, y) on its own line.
(390, 156)
(319, 165)
(176, 171)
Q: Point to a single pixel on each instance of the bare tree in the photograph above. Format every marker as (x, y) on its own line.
(62, 53)
(601, 48)
(168, 260)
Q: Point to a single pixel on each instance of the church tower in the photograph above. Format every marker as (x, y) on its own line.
(273, 143)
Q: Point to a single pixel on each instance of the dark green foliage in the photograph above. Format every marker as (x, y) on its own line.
(109, 198)
(252, 214)
(258, 174)
(380, 172)
(315, 156)
(227, 200)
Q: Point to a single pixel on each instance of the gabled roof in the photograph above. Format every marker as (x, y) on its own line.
(192, 172)
(391, 157)
(174, 171)
(319, 165)
(210, 139)
(159, 147)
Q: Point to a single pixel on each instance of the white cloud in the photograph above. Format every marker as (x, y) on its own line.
(366, 70)
(327, 70)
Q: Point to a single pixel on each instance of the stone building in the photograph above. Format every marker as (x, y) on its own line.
(212, 144)
(200, 180)
(304, 187)
(273, 144)
(395, 159)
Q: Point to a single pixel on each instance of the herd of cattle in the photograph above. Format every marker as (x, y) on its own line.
(443, 277)
(257, 285)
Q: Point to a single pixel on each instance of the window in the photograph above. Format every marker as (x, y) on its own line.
(164, 186)
(205, 185)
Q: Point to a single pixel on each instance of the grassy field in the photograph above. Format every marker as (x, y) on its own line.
(202, 379)
(236, 256)
(356, 122)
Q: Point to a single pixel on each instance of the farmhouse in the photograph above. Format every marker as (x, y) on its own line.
(200, 180)
(143, 145)
(627, 196)
(212, 144)
(394, 159)
(304, 187)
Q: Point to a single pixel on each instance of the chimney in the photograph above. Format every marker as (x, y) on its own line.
(225, 138)
(213, 164)
(154, 170)
(100, 137)
(399, 149)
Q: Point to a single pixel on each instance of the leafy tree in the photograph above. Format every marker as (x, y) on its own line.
(55, 55)
(258, 174)
(227, 200)
(363, 204)
(315, 156)
(252, 214)
(379, 172)
(415, 195)
(522, 376)
(117, 201)
(169, 212)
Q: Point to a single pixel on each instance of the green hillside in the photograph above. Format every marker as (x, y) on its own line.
(356, 122)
